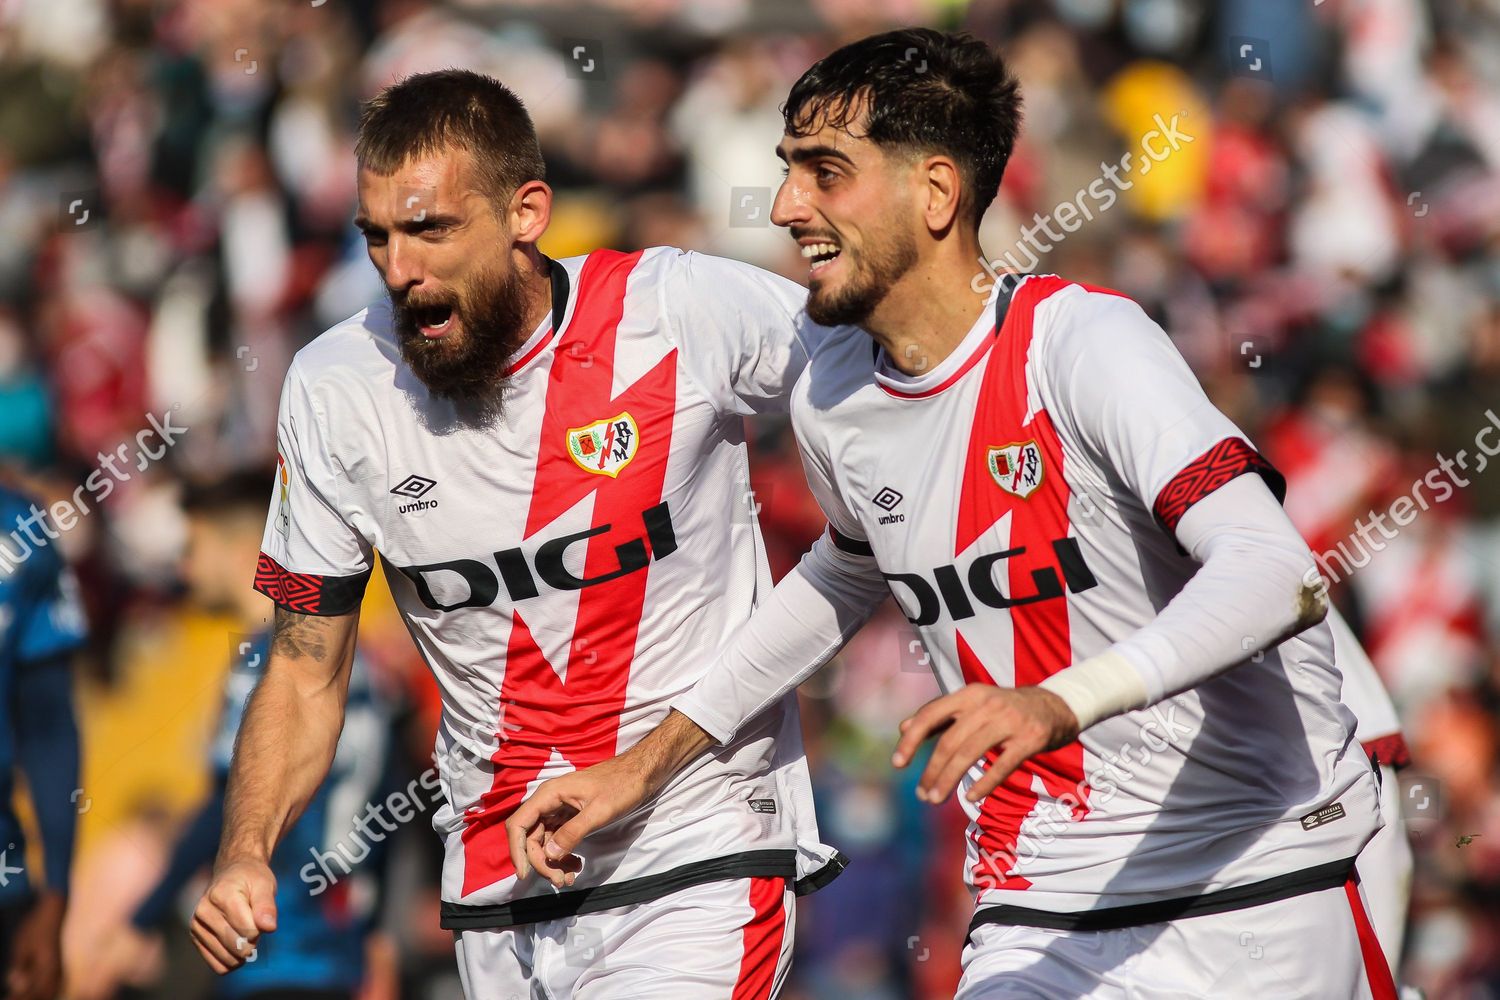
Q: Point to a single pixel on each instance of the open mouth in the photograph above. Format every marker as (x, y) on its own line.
(820, 255)
(433, 321)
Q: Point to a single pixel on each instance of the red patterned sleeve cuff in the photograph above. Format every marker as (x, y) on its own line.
(309, 593)
(1389, 750)
(1230, 458)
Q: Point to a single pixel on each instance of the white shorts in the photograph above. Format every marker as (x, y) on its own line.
(1319, 945)
(728, 940)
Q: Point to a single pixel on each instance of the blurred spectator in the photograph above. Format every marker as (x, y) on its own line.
(40, 626)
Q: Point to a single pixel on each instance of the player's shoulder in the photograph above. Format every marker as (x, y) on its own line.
(729, 288)
(37, 562)
(841, 363)
(1068, 318)
(694, 276)
(361, 349)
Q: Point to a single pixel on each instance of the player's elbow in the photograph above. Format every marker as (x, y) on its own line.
(1310, 600)
(1301, 592)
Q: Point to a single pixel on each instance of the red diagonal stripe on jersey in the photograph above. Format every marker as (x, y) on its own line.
(1041, 641)
(578, 714)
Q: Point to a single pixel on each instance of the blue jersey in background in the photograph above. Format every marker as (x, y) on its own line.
(321, 926)
(41, 623)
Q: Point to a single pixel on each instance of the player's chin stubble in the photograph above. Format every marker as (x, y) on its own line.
(468, 368)
(875, 268)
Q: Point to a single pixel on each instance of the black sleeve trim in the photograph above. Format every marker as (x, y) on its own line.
(853, 546)
(1109, 918)
(1229, 459)
(309, 593)
(749, 864)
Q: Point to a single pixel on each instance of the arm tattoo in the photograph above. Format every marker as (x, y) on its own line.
(300, 635)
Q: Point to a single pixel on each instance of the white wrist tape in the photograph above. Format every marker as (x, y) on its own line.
(1099, 688)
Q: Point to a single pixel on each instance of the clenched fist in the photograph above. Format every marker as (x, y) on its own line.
(238, 907)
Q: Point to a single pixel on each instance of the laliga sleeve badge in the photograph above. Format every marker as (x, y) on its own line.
(1016, 468)
(283, 504)
(606, 446)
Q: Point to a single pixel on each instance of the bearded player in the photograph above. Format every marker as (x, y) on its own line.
(549, 458)
(1141, 708)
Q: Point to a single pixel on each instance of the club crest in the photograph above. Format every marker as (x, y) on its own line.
(1017, 467)
(606, 446)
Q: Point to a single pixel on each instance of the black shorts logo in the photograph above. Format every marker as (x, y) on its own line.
(763, 805)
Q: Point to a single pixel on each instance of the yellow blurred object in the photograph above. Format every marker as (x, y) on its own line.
(580, 223)
(146, 739)
(1147, 95)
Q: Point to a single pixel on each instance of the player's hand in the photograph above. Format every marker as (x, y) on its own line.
(238, 907)
(1020, 722)
(36, 962)
(562, 811)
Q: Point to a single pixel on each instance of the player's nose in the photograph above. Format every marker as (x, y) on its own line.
(403, 265)
(789, 206)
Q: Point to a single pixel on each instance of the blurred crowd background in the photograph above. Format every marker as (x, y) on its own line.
(176, 189)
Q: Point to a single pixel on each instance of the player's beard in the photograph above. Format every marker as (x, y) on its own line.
(468, 365)
(872, 270)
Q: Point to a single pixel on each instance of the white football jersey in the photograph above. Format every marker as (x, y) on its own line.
(568, 568)
(1021, 499)
(1377, 726)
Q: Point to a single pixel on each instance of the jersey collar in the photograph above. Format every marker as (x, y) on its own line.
(970, 351)
(551, 325)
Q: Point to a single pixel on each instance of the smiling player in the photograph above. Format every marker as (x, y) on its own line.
(1141, 705)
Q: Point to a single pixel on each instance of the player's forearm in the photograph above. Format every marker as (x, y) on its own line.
(667, 749)
(289, 735)
(807, 619)
(1255, 588)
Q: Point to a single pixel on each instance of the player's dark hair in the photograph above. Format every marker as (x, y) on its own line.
(921, 91)
(425, 113)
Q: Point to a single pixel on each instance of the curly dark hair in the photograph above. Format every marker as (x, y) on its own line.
(922, 91)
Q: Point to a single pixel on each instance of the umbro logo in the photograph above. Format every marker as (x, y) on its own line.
(888, 500)
(414, 488)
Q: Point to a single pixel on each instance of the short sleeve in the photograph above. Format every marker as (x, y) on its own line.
(1114, 376)
(312, 560)
(742, 331)
(50, 618)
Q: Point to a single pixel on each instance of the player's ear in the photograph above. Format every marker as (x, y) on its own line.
(530, 211)
(943, 187)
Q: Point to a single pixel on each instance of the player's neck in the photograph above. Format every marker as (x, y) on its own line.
(927, 314)
(538, 278)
